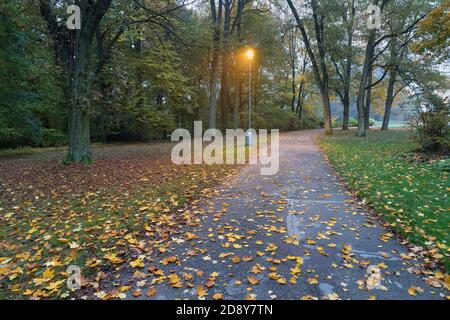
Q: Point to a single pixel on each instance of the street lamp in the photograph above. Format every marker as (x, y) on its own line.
(250, 55)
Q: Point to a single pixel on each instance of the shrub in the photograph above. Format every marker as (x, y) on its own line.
(430, 123)
(352, 122)
(311, 121)
(336, 122)
(53, 138)
(10, 138)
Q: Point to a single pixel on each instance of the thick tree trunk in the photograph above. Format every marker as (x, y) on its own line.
(389, 98)
(79, 107)
(73, 55)
(79, 135)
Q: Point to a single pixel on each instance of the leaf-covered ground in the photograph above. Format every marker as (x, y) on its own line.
(133, 199)
(412, 196)
(142, 228)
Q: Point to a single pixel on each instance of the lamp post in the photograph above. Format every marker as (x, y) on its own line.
(250, 55)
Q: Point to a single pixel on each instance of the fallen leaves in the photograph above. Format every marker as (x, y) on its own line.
(94, 216)
(175, 281)
(168, 260)
(151, 292)
(138, 263)
(253, 280)
(112, 257)
(201, 292)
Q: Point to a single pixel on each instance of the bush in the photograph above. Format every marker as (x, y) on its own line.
(336, 122)
(53, 138)
(352, 122)
(10, 138)
(272, 117)
(310, 120)
(430, 123)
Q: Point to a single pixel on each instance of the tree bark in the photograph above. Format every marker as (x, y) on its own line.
(237, 70)
(348, 69)
(299, 109)
(215, 61)
(389, 98)
(391, 85)
(363, 84)
(370, 48)
(224, 88)
(293, 68)
(73, 55)
(368, 101)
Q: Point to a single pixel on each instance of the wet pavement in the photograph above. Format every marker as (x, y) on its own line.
(298, 234)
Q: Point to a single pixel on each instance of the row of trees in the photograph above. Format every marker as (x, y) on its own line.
(355, 46)
(136, 70)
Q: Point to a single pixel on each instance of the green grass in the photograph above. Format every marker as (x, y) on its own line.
(411, 196)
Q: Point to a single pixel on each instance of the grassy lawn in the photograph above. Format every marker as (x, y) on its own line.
(100, 217)
(412, 197)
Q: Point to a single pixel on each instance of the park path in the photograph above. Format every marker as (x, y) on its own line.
(252, 225)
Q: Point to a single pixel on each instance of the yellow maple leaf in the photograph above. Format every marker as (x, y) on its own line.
(218, 296)
(201, 291)
(138, 263)
(253, 280)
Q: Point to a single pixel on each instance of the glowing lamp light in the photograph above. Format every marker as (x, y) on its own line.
(250, 54)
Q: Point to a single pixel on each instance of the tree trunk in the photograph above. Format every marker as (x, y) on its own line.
(363, 84)
(224, 87)
(368, 101)
(236, 96)
(293, 67)
(237, 69)
(370, 48)
(326, 111)
(79, 105)
(348, 69)
(391, 84)
(215, 61)
(73, 55)
(79, 135)
(213, 88)
(224, 101)
(299, 109)
(389, 98)
(346, 102)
